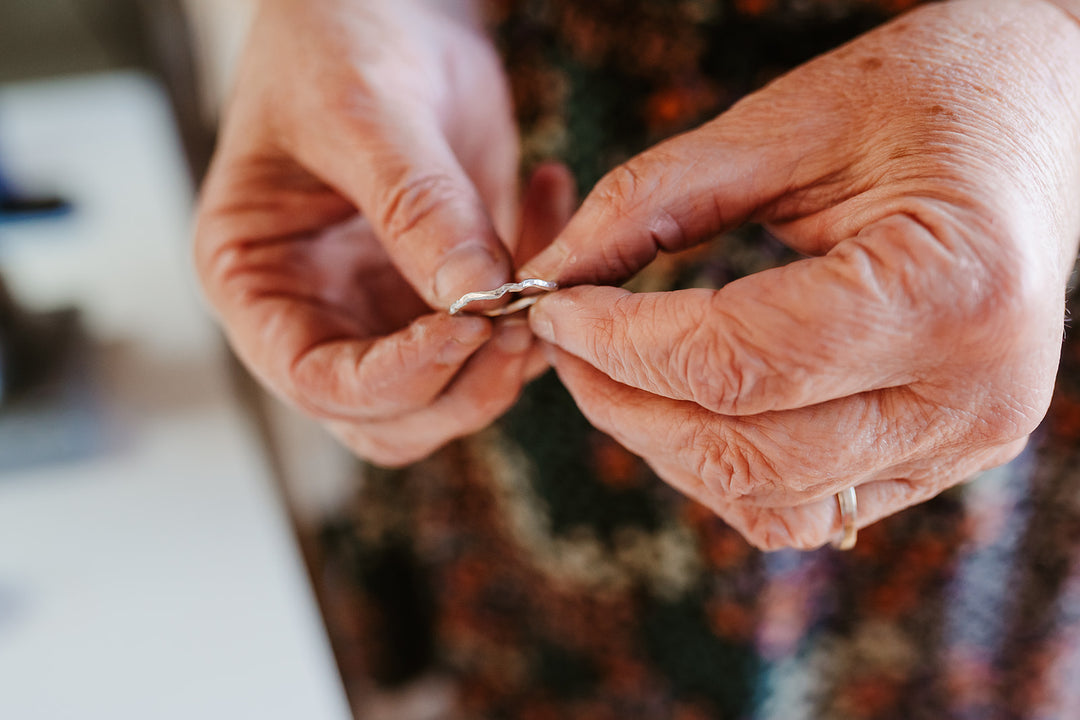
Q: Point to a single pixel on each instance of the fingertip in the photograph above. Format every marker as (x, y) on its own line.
(555, 183)
(469, 267)
(567, 316)
(548, 203)
(552, 174)
(540, 321)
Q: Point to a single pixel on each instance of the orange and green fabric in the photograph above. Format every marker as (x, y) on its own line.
(554, 576)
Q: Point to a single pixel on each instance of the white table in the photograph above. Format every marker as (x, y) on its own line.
(159, 579)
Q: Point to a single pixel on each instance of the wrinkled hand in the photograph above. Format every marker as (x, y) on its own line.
(365, 175)
(932, 170)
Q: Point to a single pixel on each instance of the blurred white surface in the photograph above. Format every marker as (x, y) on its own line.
(159, 579)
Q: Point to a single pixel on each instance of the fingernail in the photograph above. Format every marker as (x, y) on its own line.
(540, 322)
(514, 337)
(468, 268)
(467, 335)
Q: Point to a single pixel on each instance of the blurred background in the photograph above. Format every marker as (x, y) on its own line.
(176, 544)
(155, 508)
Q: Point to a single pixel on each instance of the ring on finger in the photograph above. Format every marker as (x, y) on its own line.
(849, 509)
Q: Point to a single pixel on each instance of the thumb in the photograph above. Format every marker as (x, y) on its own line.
(670, 197)
(403, 176)
(857, 319)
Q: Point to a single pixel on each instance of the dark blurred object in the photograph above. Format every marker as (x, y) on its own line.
(50, 411)
(393, 644)
(15, 206)
(33, 346)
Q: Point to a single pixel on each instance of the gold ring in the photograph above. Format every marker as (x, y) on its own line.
(849, 508)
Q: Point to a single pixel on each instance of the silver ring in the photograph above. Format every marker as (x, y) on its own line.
(849, 510)
(519, 304)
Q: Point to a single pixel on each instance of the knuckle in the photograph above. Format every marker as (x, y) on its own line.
(715, 379)
(406, 351)
(989, 312)
(412, 198)
(993, 306)
(718, 470)
(619, 350)
(599, 340)
(629, 187)
(991, 316)
(1012, 416)
(315, 384)
(731, 466)
(972, 298)
(1024, 388)
(303, 382)
(353, 94)
(725, 370)
(1009, 336)
(353, 101)
(622, 189)
(625, 194)
(216, 253)
(215, 267)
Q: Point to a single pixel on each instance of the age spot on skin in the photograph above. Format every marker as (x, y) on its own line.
(871, 63)
(940, 111)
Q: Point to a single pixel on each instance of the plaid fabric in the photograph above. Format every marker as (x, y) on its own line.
(554, 576)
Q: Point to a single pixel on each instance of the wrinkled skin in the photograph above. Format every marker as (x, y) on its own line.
(931, 169)
(366, 176)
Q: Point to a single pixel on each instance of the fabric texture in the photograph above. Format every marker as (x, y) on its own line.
(555, 576)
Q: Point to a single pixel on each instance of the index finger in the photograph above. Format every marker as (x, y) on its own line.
(402, 174)
(323, 364)
(680, 192)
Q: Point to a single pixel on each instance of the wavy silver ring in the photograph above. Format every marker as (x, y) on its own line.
(849, 510)
(519, 304)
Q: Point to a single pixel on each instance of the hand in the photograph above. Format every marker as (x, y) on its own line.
(932, 168)
(366, 149)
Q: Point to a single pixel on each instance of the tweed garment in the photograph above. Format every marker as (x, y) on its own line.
(552, 574)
